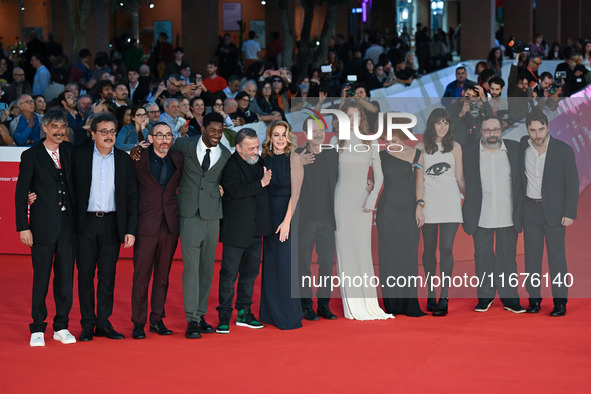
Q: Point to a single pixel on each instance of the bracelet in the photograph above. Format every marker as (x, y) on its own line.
(421, 203)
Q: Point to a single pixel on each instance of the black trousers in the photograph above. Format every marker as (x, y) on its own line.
(98, 247)
(447, 234)
(535, 231)
(59, 255)
(498, 261)
(245, 262)
(319, 232)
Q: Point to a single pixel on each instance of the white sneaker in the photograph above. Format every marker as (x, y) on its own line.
(64, 336)
(37, 339)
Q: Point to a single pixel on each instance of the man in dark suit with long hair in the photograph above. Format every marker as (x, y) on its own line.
(45, 170)
(158, 174)
(107, 216)
(551, 184)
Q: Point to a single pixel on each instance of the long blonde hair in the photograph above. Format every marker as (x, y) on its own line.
(266, 147)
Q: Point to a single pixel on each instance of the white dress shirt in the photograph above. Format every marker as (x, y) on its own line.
(497, 197)
(214, 155)
(102, 185)
(534, 170)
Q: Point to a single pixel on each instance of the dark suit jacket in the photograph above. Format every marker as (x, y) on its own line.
(142, 91)
(126, 194)
(241, 194)
(38, 174)
(332, 165)
(473, 198)
(155, 201)
(560, 182)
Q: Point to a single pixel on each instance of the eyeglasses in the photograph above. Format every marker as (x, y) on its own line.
(496, 130)
(537, 63)
(199, 78)
(106, 132)
(161, 136)
(153, 112)
(277, 80)
(29, 101)
(217, 104)
(142, 115)
(18, 75)
(266, 87)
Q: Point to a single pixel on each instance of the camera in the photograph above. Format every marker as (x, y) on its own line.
(553, 89)
(517, 46)
(474, 109)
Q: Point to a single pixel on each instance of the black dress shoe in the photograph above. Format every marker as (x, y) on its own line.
(326, 313)
(431, 304)
(309, 314)
(160, 328)
(441, 308)
(86, 336)
(559, 310)
(193, 330)
(108, 332)
(534, 307)
(205, 327)
(138, 332)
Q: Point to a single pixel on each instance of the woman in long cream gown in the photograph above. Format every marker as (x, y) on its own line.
(354, 208)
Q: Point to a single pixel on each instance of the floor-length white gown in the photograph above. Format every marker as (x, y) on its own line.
(354, 228)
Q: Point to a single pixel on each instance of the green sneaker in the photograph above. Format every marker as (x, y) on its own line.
(247, 319)
(222, 329)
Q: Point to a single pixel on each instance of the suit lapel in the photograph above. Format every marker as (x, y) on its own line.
(46, 161)
(548, 159)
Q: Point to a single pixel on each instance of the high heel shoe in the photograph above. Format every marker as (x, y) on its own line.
(441, 308)
(431, 304)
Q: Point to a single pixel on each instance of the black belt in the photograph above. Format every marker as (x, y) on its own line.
(534, 200)
(100, 214)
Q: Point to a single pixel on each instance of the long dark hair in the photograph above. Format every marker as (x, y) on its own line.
(429, 137)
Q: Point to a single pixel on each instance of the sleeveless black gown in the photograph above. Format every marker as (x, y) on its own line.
(277, 305)
(398, 235)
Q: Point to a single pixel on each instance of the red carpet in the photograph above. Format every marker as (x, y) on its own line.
(491, 352)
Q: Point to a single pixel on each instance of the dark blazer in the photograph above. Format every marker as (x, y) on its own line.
(560, 182)
(242, 192)
(332, 165)
(473, 196)
(38, 174)
(126, 194)
(141, 92)
(155, 201)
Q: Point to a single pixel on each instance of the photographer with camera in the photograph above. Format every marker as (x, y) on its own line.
(545, 94)
(467, 113)
(573, 73)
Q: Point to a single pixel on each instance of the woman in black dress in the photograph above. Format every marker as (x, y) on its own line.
(278, 307)
(399, 218)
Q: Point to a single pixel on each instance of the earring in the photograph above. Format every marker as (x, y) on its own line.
(271, 146)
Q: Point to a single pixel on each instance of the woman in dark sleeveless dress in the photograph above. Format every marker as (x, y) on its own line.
(278, 307)
(399, 218)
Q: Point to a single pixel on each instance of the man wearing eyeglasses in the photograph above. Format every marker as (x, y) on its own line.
(492, 210)
(107, 210)
(26, 128)
(158, 174)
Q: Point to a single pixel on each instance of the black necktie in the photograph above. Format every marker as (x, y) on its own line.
(206, 161)
(163, 174)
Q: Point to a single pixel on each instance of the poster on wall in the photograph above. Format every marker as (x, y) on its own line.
(231, 14)
(162, 27)
(259, 28)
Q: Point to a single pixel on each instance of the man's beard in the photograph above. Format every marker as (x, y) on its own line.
(491, 144)
(252, 160)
